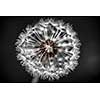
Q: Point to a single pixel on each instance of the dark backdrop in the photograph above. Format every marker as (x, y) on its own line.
(88, 29)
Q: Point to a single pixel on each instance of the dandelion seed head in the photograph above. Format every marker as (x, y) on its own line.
(49, 48)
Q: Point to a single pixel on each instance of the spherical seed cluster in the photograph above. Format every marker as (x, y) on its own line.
(49, 48)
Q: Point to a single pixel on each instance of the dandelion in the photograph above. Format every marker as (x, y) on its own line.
(49, 49)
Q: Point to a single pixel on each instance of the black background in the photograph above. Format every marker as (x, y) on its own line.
(88, 29)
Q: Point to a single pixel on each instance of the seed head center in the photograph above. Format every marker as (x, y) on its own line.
(48, 48)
